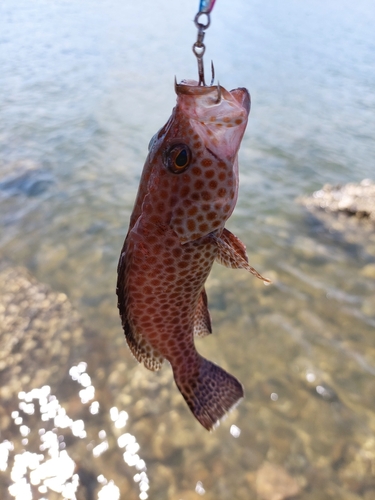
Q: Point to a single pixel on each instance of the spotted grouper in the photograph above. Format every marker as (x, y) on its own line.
(188, 190)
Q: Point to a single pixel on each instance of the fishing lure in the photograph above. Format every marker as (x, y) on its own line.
(206, 6)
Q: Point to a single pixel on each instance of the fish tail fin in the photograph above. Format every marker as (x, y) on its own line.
(210, 393)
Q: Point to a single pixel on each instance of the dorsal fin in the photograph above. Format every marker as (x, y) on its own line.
(141, 350)
(202, 318)
(232, 253)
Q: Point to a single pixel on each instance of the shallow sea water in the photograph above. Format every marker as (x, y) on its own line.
(83, 88)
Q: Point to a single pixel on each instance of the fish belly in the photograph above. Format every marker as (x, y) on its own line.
(165, 281)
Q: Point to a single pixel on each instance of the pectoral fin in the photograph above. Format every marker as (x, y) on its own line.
(232, 253)
(202, 319)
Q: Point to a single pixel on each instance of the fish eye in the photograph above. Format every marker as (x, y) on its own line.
(177, 158)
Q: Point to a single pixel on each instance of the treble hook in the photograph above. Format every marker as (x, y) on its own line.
(199, 48)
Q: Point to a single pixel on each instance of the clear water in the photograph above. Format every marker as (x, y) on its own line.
(83, 87)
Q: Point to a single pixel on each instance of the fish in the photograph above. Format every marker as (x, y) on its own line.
(188, 190)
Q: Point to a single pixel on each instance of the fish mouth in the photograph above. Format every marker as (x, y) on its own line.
(242, 96)
(191, 88)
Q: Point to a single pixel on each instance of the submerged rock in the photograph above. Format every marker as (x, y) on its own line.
(352, 199)
(25, 178)
(274, 483)
(39, 331)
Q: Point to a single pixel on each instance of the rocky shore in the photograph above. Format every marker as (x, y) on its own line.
(353, 199)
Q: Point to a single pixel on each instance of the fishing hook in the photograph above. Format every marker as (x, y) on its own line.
(199, 48)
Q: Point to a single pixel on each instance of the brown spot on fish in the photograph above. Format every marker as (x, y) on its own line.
(206, 162)
(158, 248)
(177, 252)
(193, 210)
(191, 225)
(185, 190)
(209, 174)
(195, 236)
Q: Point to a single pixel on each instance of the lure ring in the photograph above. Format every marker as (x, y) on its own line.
(200, 25)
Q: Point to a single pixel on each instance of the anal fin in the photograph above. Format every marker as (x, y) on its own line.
(142, 350)
(202, 318)
(232, 253)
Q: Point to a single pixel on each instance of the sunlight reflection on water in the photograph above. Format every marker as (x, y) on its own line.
(53, 469)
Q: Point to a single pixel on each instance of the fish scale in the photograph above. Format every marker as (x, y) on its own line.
(188, 190)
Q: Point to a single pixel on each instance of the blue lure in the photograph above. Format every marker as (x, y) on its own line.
(206, 6)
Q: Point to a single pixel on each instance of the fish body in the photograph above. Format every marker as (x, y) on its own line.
(188, 190)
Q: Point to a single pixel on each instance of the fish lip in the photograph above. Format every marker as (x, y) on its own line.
(191, 88)
(242, 96)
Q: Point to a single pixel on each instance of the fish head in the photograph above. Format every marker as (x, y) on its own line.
(217, 115)
(192, 167)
